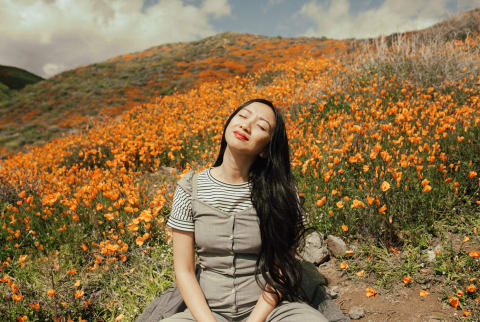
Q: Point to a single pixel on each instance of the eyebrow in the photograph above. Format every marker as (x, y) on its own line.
(263, 119)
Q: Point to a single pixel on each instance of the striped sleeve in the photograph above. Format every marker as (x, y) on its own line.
(181, 215)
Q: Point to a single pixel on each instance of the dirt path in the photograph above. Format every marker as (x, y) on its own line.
(398, 304)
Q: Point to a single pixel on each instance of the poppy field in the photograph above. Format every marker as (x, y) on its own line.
(385, 147)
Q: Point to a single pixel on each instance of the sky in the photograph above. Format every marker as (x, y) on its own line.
(47, 37)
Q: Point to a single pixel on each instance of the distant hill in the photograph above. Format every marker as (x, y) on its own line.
(16, 78)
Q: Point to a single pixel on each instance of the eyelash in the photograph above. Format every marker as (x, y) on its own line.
(243, 116)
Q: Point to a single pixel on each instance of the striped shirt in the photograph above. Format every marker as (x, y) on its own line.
(227, 197)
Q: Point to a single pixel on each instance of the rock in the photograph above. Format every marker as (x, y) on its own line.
(332, 312)
(333, 291)
(313, 283)
(430, 256)
(356, 312)
(431, 253)
(336, 246)
(315, 251)
(311, 277)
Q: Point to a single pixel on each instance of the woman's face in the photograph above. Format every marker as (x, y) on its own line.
(250, 129)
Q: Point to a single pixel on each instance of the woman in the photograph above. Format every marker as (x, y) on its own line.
(244, 217)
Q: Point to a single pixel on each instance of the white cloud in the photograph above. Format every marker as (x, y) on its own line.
(334, 19)
(216, 7)
(52, 68)
(275, 2)
(49, 36)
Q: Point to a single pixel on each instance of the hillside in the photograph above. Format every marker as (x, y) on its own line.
(385, 148)
(71, 100)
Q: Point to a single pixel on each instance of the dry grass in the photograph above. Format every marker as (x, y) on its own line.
(438, 56)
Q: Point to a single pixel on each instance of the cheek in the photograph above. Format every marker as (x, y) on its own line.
(263, 141)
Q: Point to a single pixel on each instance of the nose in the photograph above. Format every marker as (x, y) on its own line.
(245, 125)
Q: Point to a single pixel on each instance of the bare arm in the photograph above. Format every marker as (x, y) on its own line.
(184, 265)
(265, 304)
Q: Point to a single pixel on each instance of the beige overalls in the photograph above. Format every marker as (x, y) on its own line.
(228, 245)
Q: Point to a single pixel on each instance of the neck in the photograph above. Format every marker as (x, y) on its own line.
(234, 167)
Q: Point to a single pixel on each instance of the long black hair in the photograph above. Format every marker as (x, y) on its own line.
(276, 202)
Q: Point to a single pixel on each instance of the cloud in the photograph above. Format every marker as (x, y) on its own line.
(50, 36)
(275, 2)
(335, 20)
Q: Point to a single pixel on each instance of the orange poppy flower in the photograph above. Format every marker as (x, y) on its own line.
(79, 294)
(385, 186)
(370, 200)
(382, 209)
(470, 288)
(321, 201)
(424, 293)
(453, 302)
(474, 253)
(357, 203)
(22, 258)
(394, 250)
(17, 297)
(370, 292)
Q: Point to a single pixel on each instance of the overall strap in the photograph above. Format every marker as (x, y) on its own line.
(194, 186)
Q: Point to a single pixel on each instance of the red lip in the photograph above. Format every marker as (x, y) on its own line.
(240, 136)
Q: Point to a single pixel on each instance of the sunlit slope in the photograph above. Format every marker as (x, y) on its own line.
(71, 100)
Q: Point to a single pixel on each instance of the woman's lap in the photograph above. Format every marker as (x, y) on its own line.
(295, 311)
(187, 316)
(285, 312)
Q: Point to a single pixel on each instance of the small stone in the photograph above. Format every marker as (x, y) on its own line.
(430, 256)
(336, 246)
(333, 291)
(356, 312)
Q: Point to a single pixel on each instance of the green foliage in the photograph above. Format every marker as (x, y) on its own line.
(5, 92)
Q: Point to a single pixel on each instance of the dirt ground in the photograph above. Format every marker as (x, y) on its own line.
(398, 304)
